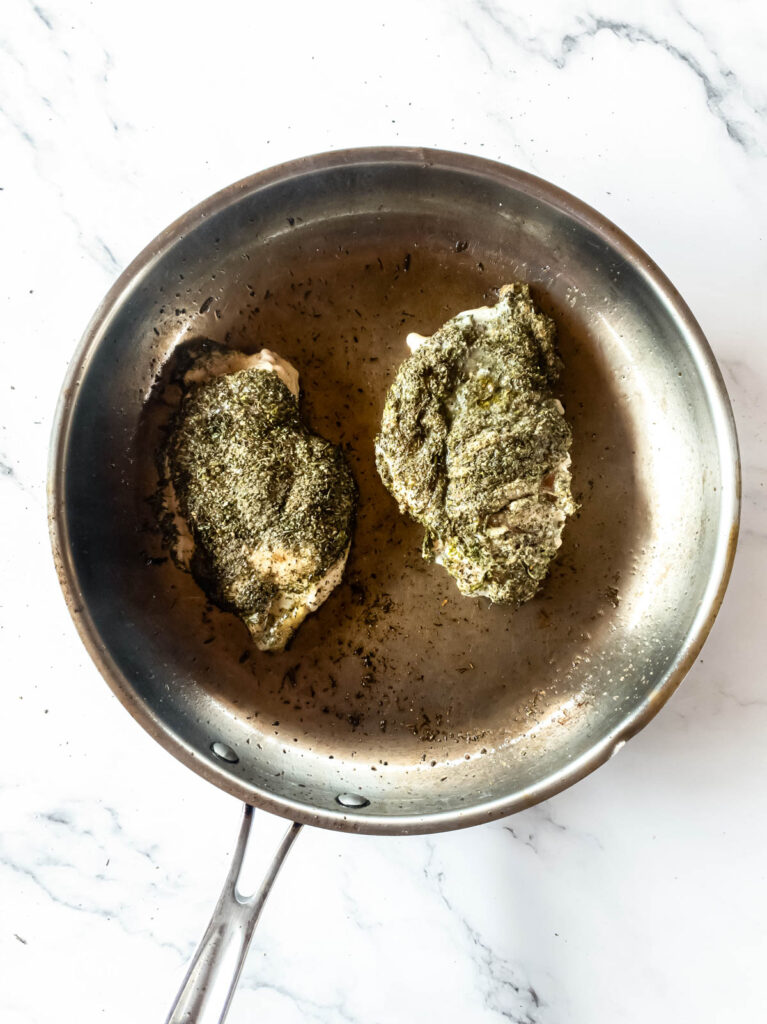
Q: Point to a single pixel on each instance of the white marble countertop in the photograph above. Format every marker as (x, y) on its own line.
(636, 896)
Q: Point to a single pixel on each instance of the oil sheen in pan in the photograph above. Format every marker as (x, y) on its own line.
(362, 669)
(439, 710)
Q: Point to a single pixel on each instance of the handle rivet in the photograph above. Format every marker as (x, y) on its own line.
(224, 752)
(351, 800)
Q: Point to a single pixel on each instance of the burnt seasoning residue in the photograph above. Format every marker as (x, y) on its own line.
(396, 655)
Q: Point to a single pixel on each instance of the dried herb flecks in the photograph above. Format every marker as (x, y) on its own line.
(475, 446)
(269, 504)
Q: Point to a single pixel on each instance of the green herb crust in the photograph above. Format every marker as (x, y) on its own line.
(269, 504)
(475, 447)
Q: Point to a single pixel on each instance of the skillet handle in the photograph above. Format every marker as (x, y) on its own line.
(209, 985)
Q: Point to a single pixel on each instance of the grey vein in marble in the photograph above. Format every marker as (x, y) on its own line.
(755, 702)
(43, 17)
(95, 247)
(8, 472)
(324, 1013)
(530, 831)
(526, 840)
(507, 995)
(91, 243)
(716, 92)
(20, 130)
(467, 26)
(35, 870)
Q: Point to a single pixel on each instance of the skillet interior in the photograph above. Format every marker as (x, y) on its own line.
(437, 709)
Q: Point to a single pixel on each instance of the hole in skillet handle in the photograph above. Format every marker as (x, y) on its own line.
(352, 800)
(224, 752)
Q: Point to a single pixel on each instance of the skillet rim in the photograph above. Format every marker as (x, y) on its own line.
(709, 376)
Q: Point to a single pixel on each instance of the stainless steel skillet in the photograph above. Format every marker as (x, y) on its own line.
(401, 707)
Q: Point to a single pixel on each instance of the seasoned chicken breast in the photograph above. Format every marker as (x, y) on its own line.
(475, 446)
(263, 509)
